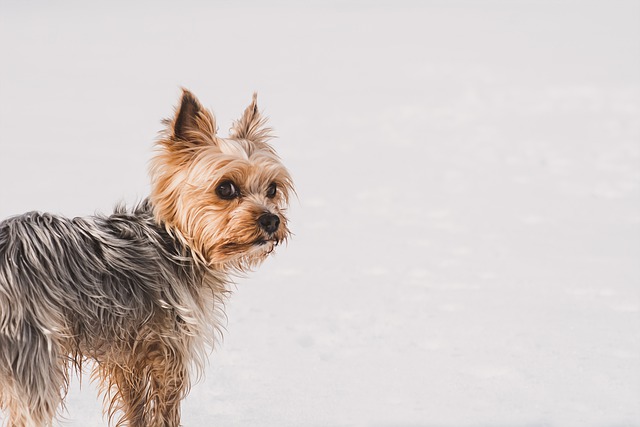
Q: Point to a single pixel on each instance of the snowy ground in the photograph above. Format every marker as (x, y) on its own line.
(467, 248)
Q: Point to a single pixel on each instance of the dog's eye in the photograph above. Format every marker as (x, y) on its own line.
(271, 190)
(227, 190)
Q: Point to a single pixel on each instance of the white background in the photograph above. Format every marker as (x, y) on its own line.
(467, 234)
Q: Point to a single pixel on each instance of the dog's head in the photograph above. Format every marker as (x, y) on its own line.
(224, 197)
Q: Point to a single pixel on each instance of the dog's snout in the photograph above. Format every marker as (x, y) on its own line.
(269, 222)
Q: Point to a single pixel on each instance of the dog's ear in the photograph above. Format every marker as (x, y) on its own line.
(251, 125)
(192, 122)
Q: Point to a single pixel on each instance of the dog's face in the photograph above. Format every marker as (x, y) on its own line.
(224, 197)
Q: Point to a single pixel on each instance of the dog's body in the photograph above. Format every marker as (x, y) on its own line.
(118, 290)
(140, 292)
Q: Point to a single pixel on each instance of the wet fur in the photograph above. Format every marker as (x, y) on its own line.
(140, 291)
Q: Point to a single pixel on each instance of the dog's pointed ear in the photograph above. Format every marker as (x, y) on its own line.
(192, 122)
(252, 125)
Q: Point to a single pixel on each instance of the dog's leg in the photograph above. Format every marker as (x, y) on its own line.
(147, 390)
(32, 377)
(169, 379)
(126, 390)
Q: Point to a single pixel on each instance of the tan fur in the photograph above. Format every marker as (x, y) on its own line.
(185, 172)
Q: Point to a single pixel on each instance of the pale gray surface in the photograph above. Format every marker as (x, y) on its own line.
(468, 226)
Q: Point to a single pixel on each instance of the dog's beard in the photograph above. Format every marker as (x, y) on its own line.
(245, 253)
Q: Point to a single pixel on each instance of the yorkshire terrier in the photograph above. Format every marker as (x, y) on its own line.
(141, 291)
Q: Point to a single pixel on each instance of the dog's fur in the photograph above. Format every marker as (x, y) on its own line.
(140, 291)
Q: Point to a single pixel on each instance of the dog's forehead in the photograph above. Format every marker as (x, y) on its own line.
(248, 151)
(233, 147)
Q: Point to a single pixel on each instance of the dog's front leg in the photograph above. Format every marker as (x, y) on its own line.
(169, 383)
(126, 386)
(146, 391)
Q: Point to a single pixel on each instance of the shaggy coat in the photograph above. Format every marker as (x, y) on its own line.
(141, 291)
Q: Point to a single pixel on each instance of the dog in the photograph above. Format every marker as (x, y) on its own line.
(141, 291)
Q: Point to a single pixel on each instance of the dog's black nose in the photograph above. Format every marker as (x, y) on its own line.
(269, 222)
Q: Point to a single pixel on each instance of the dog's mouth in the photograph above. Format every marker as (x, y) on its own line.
(262, 242)
(237, 248)
(245, 255)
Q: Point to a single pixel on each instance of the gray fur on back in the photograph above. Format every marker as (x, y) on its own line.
(98, 287)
